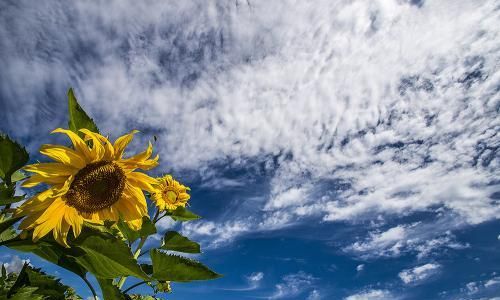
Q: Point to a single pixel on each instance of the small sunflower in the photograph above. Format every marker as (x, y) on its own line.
(87, 183)
(170, 194)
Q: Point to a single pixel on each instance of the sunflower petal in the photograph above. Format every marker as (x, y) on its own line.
(97, 151)
(131, 164)
(122, 142)
(51, 169)
(64, 155)
(72, 217)
(137, 196)
(78, 143)
(142, 181)
(36, 179)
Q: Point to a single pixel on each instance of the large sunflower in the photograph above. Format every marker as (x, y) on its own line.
(87, 183)
(170, 193)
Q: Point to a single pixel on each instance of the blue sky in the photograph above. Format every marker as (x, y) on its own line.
(336, 149)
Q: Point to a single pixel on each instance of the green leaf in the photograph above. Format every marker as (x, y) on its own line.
(147, 229)
(8, 234)
(182, 214)
(47, 286)
(148, 269)
(78, 118)
(176, 268)
(18, 176)
(12, 157)
(176, 242)
(4, 201)
(6, 192)
(109, 290)
(7, 195)
(51, 251)
(6, 224)
(106, 256)
(26, 293)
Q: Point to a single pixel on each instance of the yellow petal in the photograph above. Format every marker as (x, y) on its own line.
(62, 189)
(78, 143)
(97, 150)
(72, 217)
(42, 230)
(136, 196)
(109, 151)
(29, 221)
(122, 142)
(51, 169)
(64, 155)
(142, 181)
(35, 203)
(135, 224)
(54, 211)
(36, 179)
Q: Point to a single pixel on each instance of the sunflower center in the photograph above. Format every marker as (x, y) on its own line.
(170, 194)
(97, 186)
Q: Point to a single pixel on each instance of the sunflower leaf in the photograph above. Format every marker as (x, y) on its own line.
(147, 229)
(182, 214)
(176, 242)
(176, 268)
(12, 157)
(7, 195)
(6, 228)
(109, 290)
(8, 234)
(18, 176)
(78, 118)
(47, 286)
(51, 251)
(106, 256)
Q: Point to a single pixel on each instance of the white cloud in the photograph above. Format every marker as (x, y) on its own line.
(314, 295)
(482, 286)
(165, 224)
(372, 295)
(218, 234)
(420, 238)
(492, 282)
(323, 91)
(419, 273)
(293, 285)
(472, 288)
(15, 264)
(360, 268)
(385, 243)
(253, 282)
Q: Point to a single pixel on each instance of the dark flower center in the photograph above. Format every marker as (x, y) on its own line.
(97, 186)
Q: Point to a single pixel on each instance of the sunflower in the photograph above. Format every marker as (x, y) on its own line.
(170, 194)
(89, 182)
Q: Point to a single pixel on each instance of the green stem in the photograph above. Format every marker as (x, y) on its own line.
(138, 250)
(136, 254)
(90, 287)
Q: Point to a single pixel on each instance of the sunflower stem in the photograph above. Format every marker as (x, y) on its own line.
(138, 250)
(136, 255)
(90, 287)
